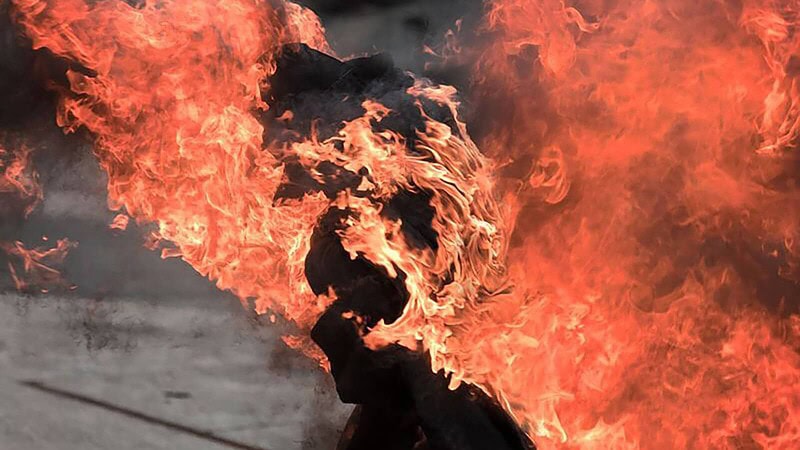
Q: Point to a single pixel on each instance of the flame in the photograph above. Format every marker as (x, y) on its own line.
(182, 149)
(168, 89)
(650, 147)
(303, 25)
(36, 267)
(607, 275)
(29, 268)
(18, 178)
(119, 222)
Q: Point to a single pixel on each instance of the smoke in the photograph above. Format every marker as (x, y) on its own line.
(402, 29)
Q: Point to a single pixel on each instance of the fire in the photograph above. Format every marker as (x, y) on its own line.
(168, 89)
(651, 149)
(35, 268)
(119, 222)
(20, 193)
(622, 273)
(18, 178)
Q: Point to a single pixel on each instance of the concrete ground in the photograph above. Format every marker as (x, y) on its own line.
(202, 365)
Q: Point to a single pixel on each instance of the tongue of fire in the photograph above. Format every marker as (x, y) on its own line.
(20, 193)
(621, 274)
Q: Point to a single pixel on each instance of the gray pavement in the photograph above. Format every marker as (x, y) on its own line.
(211, 368)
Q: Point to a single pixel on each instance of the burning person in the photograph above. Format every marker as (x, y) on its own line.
(349, 198)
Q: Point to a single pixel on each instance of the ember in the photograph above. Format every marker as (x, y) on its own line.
(607, 259)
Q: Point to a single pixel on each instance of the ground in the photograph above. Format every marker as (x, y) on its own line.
(198, 363)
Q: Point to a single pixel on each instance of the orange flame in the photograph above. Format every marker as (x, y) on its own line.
(18, 177)
(645, 184)
(168, 94)
(37, 270)
(651, 149)
(119, 222)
